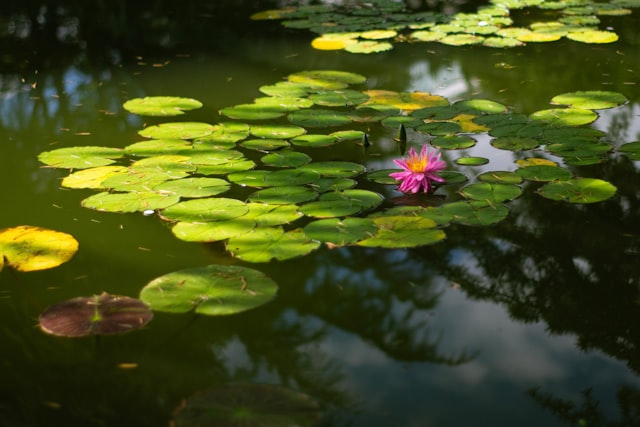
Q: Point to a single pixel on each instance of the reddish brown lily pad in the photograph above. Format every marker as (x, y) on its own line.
(96, 315)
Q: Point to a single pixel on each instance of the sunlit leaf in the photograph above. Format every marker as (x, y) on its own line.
(129, 202)
(29, 248)
(214, 290)
(269, 215)
(313, 140)
(203, 210)
(268, 243)
(590, 100)
(254, 111)
(368, 46)
(178, 130)
(80, 157)
(285, 159)
(284, 195)
(453, 142)
(565, 116)
(161, 105)
(475, 212)
(631, 149)
(335, 169)
(194, 187)
(403, 232)
(338, 98)
(491, 192)
(318, 118)
(593, 36)
(515, 143)
(213, 231)
(264, 144)
(93, 177)
(97, 315)
(579, 190)
(340, 232)
(472, 161)
(157, 147)
(280, 131)
(500, 177)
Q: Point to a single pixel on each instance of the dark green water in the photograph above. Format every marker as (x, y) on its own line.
(454, 334)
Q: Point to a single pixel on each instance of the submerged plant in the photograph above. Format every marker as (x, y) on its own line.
(419, 171)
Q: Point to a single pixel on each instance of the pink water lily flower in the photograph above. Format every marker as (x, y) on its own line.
(419, 171)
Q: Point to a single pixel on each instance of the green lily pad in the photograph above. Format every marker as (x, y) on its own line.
(340, 232)
(452, 177)
(368, 46)
(330, 208)
(472, 161)
(515, 143)
(286, 89)
(264, 144)
(236, 405)
(365, 199)
(333, 184)
(214, 290)
(475, 212)
(271, 215)
(161, 105)
(29, 248)
(157, 147)
(249, 178)
(129, 202)
(382, 176)
(276, 131)
(500, 177)
(403, 232)
(254, 111)
(226, 168)
(213, 231)
(579, 190)
(289, 103)
(439, 128)
(289, 177)
(284, 195)
(80, 157)
(285, 159)
(565, 116)
(453, 142)
(544, 173)
(480, 106)
(97, 315)
(178, 130)
(203, 210)
(312, 140)
(631, 149)
(93, 177)
(347, 135)
(268, 243)
(590, 100)
(225, 135)
(194, 187)
(326, 79)
(318, 117)
(491, 192)
(334, 169)
(143, 181)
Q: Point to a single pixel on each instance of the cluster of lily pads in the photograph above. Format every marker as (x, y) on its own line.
(374, 25)
(252, 182)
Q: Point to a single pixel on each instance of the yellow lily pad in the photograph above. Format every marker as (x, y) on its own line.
(29, 248)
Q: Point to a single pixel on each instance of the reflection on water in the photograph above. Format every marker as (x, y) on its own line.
(508, 325)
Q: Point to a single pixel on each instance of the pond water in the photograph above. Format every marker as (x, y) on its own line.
(532, 321)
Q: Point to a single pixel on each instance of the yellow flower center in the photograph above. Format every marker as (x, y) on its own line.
(417, 163)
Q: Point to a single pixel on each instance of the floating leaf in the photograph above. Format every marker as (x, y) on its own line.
(29, 248)
(453, 177)
(129, 202)
(340, 232)
(472, 161)
(453, 142)
(578, 190)
(284, 195)
(406, 101)
(214, 290)
(264, 144)
(161, 105)
(97, 315)
(565, 116)
(312, 140)
(365, 199)
(213, 231)
(593, 36)
(590, 100)
(330, 208)
(515, 143)
(403, 232)
(544, 173)
(93, 177)
(194, 187)
(178, 130)
(631, 149)
(333, 184)
(251, 178)
(339, 98)
(335, 169)
(535, 161)
(500, 177)
(271, 215)
(285, 159)
(157, 147)
(232, 405)
(203, 210)
(254, 111)
(276, 131)
(326, 79)
(288, 177)
(382, 176)
(267, 243)
(368, 46)
(475, 212)
(289, 103)
(80, 157)
(491, 192)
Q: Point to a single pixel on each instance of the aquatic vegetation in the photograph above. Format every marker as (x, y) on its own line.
(29, 248)
(269, 181)
(373, 26)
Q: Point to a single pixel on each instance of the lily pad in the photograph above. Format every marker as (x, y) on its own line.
(365, 199)
(213, 290)
(313, 140)
(475, 212)
(334, 169)
(631, 149)
(93, 177)
(339, 98)
(29, 248)
(590, 100)
(330, 208)
(286, 159)
(565, 116)
(289, 177)
(284, 195)
(203, 210)
(254, 111)
(193, 187)
(403, 232)
(264, 144)
(178, 130)
(544, 173)
(213, 231)
(491, 192)
(97, 315)
(157, 147)
(593, 36)
(340, 232)
(268, 243)
(515, 143)
(453, 142)
(327, 79)
(472, 161)
(500, 177)
(129, 202)
(259, 405)
(318, 117)
(276, 131)
(80, 157)
(579, 190)
(266, 215)
(161, 105)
